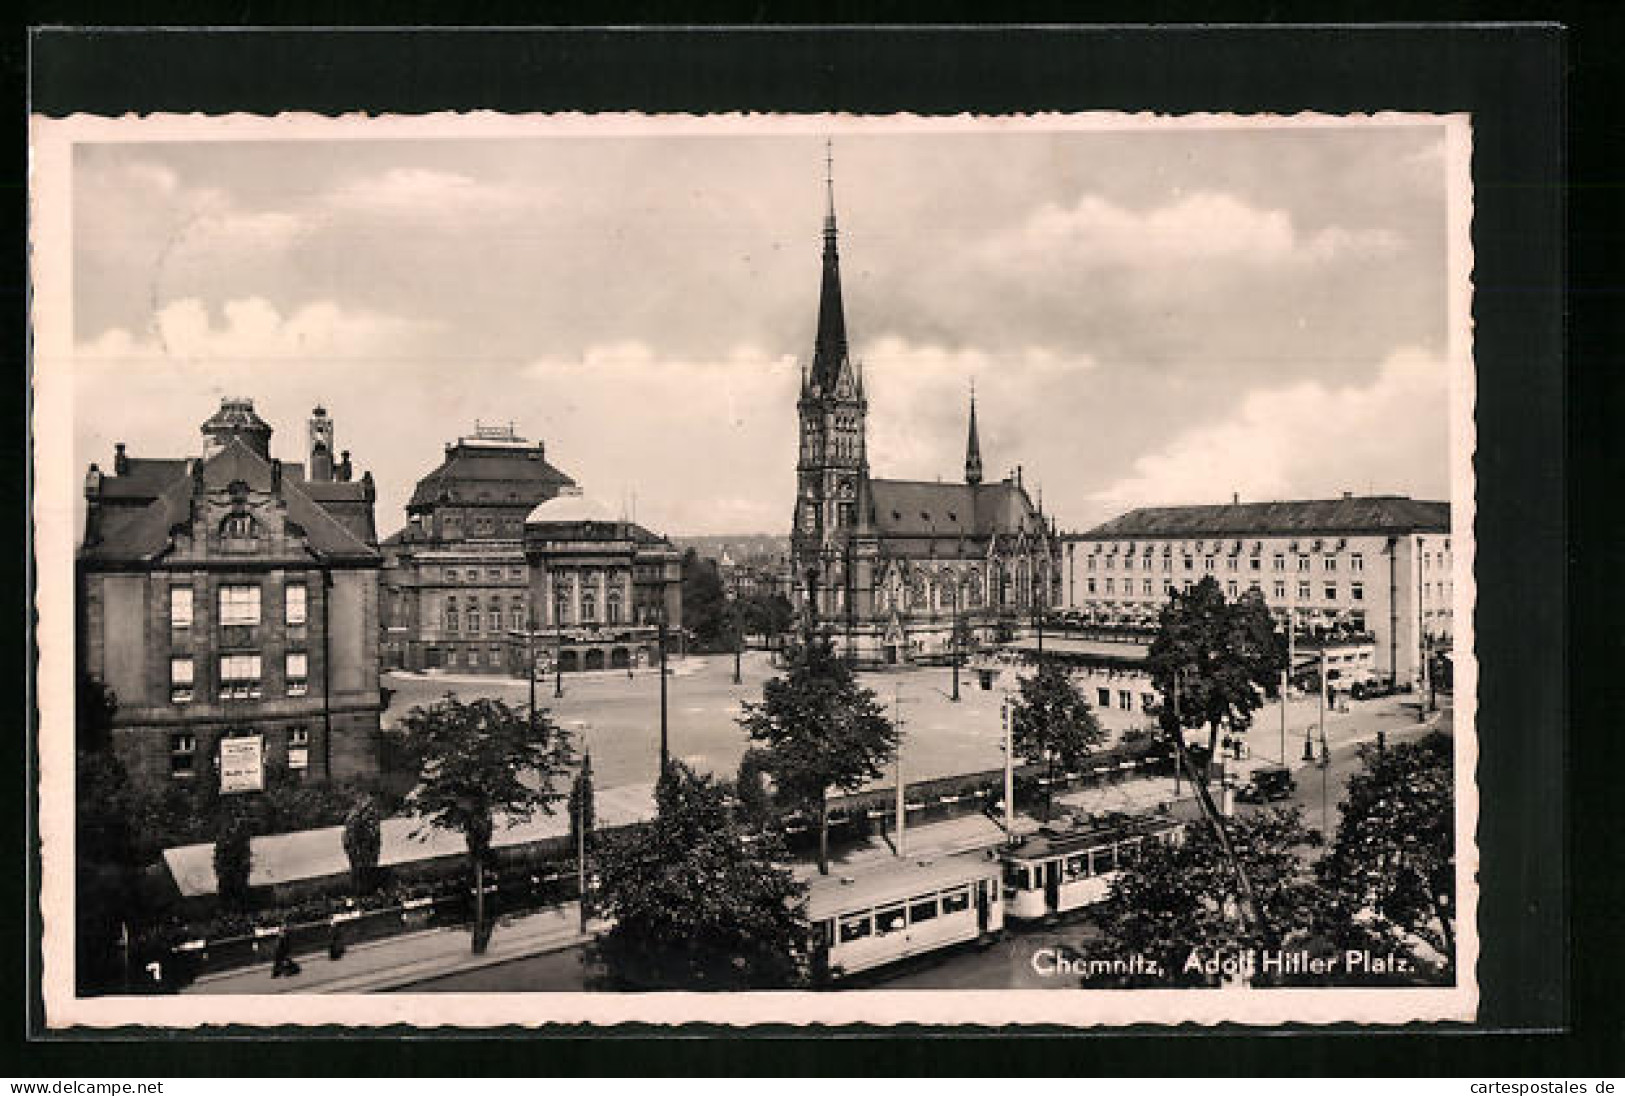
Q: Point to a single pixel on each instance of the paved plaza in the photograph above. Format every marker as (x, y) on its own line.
(620, 715)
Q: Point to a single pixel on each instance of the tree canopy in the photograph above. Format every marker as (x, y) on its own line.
(233, 859)
(1176, 899)
(363, 841)
(1052, 724)
(480, 760)
(1223, 654)
(1392, 868)
(821, 728)
(705, 605)
(697, 903)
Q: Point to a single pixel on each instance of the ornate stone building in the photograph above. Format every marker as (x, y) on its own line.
(230, 603)
(606, 584)
(455, 583)
(889, 564)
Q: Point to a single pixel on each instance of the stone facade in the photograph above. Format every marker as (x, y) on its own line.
(1377, 566)
(889, 566)
(229, 596)
(456, 592)
(602, 585)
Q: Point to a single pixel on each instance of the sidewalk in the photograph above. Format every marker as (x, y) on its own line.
(1357, 725)
(402, 960)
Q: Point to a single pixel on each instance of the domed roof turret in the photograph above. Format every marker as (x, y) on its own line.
(571, 505)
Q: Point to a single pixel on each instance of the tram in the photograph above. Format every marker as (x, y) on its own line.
(891, 911)
(1055, 872)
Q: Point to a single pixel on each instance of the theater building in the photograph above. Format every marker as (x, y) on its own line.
(1373, 568)
(889, 565)
(454, 580)
(229, 601)
(602, 585)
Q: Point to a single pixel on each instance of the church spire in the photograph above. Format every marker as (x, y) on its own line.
(829, 352)
(973, 446)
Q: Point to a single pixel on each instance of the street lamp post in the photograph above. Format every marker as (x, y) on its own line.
(739, 638)
(558, 651)
(581, 829)
(665, 750)
(957, 644)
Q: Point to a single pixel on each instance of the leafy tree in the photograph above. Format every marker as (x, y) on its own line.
(1212, 661)
(751, 787)
(363, 841)
(480, 761)
(1173, 900)
(1053, 725)
(705, 608)
(697, 903)
(105, 864)
(1392, 867)
(822, 730)
(233, 858)
(93, 714)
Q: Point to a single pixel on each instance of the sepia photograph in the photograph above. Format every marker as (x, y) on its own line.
(581, 569)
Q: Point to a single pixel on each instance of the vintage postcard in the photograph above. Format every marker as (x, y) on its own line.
(584, 569)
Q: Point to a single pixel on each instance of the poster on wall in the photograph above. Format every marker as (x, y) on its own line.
(242, 764)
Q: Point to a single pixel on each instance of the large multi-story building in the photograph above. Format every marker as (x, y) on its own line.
(1377, 566)
(455, 583)
(603, 586)
(889, 565)
(229, 601)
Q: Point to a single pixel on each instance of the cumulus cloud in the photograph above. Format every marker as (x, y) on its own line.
(1305, 440)
(1203, 226)
(417, 193)
(252, 330)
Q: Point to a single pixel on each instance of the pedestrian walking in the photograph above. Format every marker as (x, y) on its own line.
(282, 963)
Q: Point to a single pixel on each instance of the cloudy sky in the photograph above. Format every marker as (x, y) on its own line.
(1149, 316)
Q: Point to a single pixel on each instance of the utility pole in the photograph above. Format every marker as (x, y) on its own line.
(1286, 678)
(558, 652)
(902, 798)
(1179, 730)
(1009, 772)
(957, 644)
(739, 638)
(665, 752)
(530, 665)
(581, 830)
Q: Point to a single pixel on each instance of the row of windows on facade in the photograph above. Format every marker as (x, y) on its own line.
(468, 618)
(937, 594)
(452, 524)
(1356, 562)
(239, 605)
(239, 676)
(183, 751)
(473, 657)
(473, 574)
(1232, 588)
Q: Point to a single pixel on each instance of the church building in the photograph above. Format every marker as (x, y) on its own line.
(887, 566)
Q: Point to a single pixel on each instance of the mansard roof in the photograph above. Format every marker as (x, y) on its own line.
(491, 474)
(1373, 514)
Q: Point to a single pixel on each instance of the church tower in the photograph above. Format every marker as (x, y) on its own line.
(973, 446)
(321, 445)
(833, 463)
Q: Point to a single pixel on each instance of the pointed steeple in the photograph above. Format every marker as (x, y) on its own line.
(829, 351)
(973, 446)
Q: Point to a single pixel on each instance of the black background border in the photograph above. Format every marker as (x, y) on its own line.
(1511, 78)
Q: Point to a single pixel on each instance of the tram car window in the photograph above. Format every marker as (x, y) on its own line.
(855, 928)
(956, 902)
(889, 920)
(923, 910)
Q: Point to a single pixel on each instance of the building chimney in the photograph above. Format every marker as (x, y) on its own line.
(121, 462)
(1348, 494)
(1235, 498)
(344, 470)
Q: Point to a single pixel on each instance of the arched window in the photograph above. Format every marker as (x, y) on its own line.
(561, 605)
(973, 589)
(452, 618)
(493, 616)
(516, 612)
(613, 607)
(589, 607)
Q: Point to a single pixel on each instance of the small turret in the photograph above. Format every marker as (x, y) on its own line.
(973, 445)
(321, 445)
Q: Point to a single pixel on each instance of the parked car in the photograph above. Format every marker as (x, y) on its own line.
(1266, 784)
(1370, 690)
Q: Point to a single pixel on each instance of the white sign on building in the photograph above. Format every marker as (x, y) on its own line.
(242, 764)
